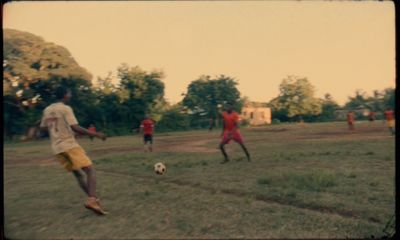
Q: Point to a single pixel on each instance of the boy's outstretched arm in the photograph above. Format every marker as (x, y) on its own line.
(82, 130)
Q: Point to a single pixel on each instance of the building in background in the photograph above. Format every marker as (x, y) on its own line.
(256, 115)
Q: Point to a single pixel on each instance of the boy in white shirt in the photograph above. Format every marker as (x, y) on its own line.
(59, 120)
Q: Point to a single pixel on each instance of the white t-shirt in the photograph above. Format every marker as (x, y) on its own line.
(58, 119)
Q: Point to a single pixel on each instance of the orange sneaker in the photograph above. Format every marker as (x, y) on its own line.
(93, 204)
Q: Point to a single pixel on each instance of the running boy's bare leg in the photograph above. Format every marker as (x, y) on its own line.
(222, 147)
(90, 180)
(245, 151)
(81, 181)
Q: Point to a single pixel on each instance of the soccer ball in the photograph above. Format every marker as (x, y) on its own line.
(159, 168)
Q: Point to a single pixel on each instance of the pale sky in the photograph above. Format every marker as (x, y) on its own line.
(340, 46)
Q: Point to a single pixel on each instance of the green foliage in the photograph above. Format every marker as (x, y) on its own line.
(296, 98)
(276, 121)
(378, 102)
(20, 117)
(32, 59)
(142, 92)
(329, 106)
(206, 96)
(389, 98)
(173, 119)
(360, 100)
(13, 116)
(32, 69)
(121, 107)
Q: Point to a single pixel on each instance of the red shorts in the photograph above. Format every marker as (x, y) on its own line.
(235, 136)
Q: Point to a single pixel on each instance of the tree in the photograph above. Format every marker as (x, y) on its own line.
(389, 98)
(32, 68)
(329, 106)
(83, 99)
(141, 92)
(29, 59)
(360, 100)
(105, 85)
(32, 59)
(205, 97)
(296, 98)
(174, 119)
(22, 112)
(378, 102)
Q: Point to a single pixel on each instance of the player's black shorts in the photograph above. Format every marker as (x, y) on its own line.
(148, 138)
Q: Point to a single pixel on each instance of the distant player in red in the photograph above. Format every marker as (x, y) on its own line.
(350, 120)
(231, 132)
(389, 114)
(211, 124)
(92, 128)
(371, 116)
(147, 125)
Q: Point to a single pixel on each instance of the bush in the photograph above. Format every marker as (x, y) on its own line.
(276, 121)
(173, 120)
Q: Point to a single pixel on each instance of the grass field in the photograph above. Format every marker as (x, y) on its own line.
(305, 181)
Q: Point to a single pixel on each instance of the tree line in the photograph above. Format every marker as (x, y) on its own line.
(296, 101)
(33, 69)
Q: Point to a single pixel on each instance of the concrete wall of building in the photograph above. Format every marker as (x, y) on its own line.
(256, 115)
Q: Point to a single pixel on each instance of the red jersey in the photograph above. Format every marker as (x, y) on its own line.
(147, 126)
(389, 115)
(230, 120)
(92, 129)
(371, 115)
(350, 117)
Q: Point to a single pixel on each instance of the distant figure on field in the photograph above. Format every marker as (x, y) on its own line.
(92, 129)
(211, 124)
(301, 121)
(231, 131)
(350, 120)
(389, 114)
(147, 126)
(371, 116)
(60, 122)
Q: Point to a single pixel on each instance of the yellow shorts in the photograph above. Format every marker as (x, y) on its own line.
(390, 123)
(74, 159)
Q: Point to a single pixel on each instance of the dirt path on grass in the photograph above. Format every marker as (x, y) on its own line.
(198, 143)
(170, 145)
(191, 146)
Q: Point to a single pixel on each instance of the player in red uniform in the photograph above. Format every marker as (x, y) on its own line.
(92, 129)
(231, 132)
(389, 114)
(147, 125)
(371, 116)
(350, 120)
